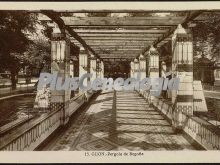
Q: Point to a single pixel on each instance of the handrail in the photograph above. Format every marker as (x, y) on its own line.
(29, 128)
(31, 136)
(204, 133)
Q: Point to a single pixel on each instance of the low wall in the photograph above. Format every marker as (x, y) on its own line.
(38, 131)
(204, 133)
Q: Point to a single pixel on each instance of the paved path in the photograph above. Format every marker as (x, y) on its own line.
(118, 121)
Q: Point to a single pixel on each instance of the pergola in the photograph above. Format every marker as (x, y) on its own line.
(122, 35)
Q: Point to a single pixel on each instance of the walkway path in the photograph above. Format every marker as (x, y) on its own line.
(119, 121)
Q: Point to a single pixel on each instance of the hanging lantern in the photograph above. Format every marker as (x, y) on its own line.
(182, 46)
(59, 45)
(83, 61)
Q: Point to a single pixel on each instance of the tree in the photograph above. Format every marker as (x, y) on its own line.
(207, 35)
(37, 55)
(15, 28)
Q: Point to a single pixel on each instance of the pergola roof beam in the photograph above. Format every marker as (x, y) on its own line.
(120, 31)
(122, 21)
(55, 17)
(191, 15)
(116, 27)
(121, 35)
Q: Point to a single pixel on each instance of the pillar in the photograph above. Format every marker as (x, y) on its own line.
(83, 64)
(163, 69)
(142, 67)
(102, 69)
(132, 69)
(60, 52)
(71, 69)
(98, 68)
(163, 74)
(182, 68)
(72, 92)
(136, 68)
(93, 67)
(153, 70)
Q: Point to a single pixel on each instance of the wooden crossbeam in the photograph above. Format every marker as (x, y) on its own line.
(118, 51)
(124, 54)
(118, 56)
(121, 35)
(120, 31)
(142, 11)
(116, 43)
(118, 39)
(122, 21)
(190, 16)
(118, 47)
(115, 27)
(117, 59)
(55, 17)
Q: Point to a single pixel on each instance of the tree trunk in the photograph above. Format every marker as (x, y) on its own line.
(13, 80)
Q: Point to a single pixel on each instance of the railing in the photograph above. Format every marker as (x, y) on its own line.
(31, 136)
(204, 133)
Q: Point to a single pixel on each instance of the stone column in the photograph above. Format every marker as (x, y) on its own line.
(71, 69)
(83, 64)
(136, 68)
(153, 70)
(102, 69)
(93, 67)
(72, 92)
(163, 74)
(98, 68)
(132, 69)
(163, 69)
(142, 67)
(60, 52)
(182, 67)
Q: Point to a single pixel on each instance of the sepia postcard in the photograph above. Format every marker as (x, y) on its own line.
(109, 82)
